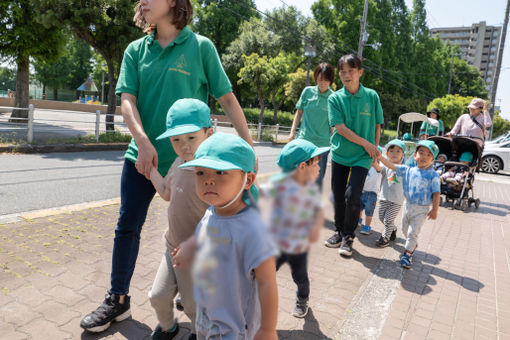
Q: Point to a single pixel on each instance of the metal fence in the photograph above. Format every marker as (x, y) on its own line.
(44, 123)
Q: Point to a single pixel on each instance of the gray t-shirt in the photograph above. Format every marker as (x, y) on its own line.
(391, 186)
(225, 289)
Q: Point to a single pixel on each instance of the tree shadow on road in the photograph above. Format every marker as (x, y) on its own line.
(311, 330)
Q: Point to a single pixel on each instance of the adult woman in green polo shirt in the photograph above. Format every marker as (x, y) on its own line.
(430, 130)
(169, 63)
(312, 107)
(356, 114)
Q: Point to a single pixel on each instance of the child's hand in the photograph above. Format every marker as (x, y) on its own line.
(432, 214)
(183, 255)
(371, 149)
(265, 335)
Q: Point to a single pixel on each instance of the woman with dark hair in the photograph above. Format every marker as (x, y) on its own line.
(168, 64)
(312, 108)
(431, 130)
(356, 114)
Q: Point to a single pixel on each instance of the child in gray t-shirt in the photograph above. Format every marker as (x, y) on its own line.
(234, 267)
(391, 195)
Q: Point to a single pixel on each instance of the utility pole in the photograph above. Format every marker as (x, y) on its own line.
(310, 52)
(451, 73)
(363, 36)
(494, 86)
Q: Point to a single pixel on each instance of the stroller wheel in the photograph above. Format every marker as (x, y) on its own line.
(470, 202)
(463, 205)
(456, 204)
(477, 203)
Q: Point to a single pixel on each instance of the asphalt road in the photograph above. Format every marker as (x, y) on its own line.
(41, 181)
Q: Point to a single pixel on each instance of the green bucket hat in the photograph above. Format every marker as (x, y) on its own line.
(186, 116)
(223, 151)
(297, 151)
(398, 143)
(407, 136)
(429, 145)
(466, 157)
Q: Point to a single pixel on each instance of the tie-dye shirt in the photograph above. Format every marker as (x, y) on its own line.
(419, 184)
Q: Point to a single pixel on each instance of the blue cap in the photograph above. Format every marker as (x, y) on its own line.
(429, 145)
(223, 151)
(186, 116)
(296, 152)
(466, 157)
(398, 143)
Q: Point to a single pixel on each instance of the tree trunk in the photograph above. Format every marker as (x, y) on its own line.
(112, 98)
(55, 93)
(21, 99)
(262, 105)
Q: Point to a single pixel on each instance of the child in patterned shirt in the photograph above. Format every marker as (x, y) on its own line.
(297, 214)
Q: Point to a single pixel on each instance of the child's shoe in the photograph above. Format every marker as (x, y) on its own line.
(178, 303)
(382, 242)
(406, 260)
(301, 308)
(366, 230)
(393, 236)
(160, 334)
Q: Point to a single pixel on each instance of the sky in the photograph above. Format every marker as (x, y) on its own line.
(445, 13)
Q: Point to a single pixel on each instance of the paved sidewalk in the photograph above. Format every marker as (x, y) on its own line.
(55, 269)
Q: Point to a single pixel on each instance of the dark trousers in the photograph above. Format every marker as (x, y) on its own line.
(136, 193)
(323, 165)
(347, 194)
(298, 268)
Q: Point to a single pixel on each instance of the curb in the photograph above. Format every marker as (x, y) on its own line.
(31, 148)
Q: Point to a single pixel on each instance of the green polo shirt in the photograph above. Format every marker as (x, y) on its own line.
(432, 130)
(315, 124)
(189, 67)
(360, 113)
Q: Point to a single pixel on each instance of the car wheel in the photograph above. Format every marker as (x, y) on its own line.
(491, 164)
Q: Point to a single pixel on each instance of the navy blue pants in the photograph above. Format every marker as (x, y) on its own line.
(323, 164)
(136, 193)
(298, 267)
(347, 184)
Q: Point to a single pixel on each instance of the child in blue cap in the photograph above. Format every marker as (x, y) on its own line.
(421, 187)
(391, 196)
(234, 266)
(188, 124)
(297, 215)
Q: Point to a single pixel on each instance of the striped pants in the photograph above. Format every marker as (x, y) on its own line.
(388, 211)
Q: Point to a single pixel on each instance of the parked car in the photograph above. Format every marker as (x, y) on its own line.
(501, 139)
(496, 157)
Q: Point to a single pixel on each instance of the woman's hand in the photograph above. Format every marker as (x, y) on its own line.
(371, 149)
(147, 159)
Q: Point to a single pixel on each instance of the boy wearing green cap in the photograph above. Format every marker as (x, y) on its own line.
(421, 189)
(188, 124)
(234, 267)
(297, 215)
(391, 195)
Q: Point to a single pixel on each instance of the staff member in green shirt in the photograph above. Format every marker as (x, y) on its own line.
(431, 130)
(356, 114)
(312, 107)
(168, 64)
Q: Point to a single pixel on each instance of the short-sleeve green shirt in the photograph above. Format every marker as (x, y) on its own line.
(315, 124)
(360, 113)
(432, 130)
(189, 67)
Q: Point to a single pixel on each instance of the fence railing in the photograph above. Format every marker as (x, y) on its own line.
(64, 123)
(59, 123)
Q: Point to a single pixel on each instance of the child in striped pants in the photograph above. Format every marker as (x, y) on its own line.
(391, 195)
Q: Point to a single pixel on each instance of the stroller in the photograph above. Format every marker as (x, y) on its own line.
(461, 193)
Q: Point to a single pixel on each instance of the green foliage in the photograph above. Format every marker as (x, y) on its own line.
(7, 79)
(467, 80)
(450, 108)
(294, 86)
(114, 137)
(500, 125)
(216, 20)
(394, 105)
(285, 118)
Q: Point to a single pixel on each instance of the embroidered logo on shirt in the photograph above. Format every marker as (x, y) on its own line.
(180, 64)
(366, 110)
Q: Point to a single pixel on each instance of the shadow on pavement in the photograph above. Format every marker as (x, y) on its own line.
(311, 330)
(133, 329)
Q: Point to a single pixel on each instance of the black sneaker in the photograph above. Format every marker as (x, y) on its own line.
(382, 242)
(334, 241)
(159, 334)
(110, 310)
(178, 303)
(346, 247)
(192, 336)
(301, 308)
(393, 236)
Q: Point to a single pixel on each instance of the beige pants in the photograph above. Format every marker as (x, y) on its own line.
(168, 282)
(413, 218)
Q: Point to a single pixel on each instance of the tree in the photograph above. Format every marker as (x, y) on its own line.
(220, 20)
(7, 78)
(500, 125)
(105, 25)
(450, 107)
(24, 37)
(80, 55)
(263, 75)
(467, 80)
(294, 86)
